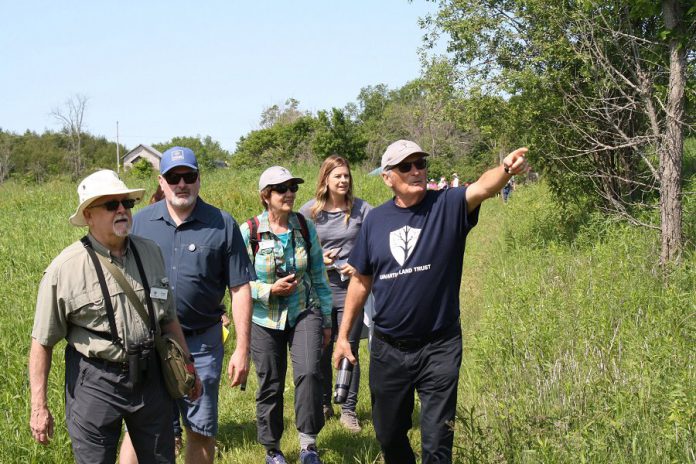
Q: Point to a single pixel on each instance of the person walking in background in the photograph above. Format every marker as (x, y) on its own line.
(204, 255)
(432, 185)
(289, 265)
(442, 185)
(86, 305)
(338, 216)
(455, 180)
(409, 253)
(507, 189)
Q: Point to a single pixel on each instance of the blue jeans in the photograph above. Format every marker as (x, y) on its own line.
(201, 416)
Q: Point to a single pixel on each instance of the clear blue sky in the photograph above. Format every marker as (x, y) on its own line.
(174, 68)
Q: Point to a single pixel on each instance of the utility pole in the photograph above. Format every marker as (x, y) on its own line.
(118, 155)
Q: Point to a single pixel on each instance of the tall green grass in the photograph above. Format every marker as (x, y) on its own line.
(575, 349)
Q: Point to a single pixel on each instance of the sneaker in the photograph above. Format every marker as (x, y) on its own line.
(349, 420)
(275, 457)
(178, 444)
(310, 455)
(328, 411)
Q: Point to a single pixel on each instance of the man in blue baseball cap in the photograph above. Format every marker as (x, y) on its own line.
(204, 255)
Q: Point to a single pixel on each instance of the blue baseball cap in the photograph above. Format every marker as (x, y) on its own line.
(178, 156)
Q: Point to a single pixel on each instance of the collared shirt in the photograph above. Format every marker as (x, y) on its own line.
(203, 256)
(70, 303)
(273, 311)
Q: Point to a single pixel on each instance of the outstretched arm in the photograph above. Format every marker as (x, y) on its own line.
(495, 179)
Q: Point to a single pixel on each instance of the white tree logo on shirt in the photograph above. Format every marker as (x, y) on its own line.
(402, 242)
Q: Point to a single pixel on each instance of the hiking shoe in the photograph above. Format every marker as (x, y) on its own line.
(349, 420)
(178, 444)
(310, 455)
(275, 457)
(328, 411)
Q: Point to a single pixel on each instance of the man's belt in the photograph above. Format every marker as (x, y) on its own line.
(416, 343)
(105, 364)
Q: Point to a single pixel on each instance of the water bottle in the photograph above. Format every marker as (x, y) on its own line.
(345, 372)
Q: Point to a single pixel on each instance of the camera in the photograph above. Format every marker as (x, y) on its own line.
(140, 359)
(281, 273)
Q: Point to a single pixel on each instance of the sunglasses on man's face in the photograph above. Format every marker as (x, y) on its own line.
(173, 178)
(112, 205)
(282, 188)
(403, 168)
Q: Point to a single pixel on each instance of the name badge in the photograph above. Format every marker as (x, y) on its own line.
(265, 244)
(158, 293)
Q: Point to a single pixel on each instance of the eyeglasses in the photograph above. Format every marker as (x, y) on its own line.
(282, 188)
(112, 205)
(173, 178)
(403, 168)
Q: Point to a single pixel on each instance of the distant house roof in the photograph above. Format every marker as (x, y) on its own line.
(142, 151)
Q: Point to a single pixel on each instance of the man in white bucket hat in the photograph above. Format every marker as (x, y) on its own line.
(112, 373)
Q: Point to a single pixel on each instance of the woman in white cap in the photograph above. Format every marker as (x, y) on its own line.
(338, 216)
(290, 271)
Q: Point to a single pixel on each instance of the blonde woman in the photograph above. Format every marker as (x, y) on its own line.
(338, 216)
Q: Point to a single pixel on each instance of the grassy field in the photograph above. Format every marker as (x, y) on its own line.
(574, 350)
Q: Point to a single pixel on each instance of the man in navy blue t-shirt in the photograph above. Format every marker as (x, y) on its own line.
(409, 253)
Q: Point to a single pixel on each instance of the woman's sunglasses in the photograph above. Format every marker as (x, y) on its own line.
(403, 168)
(173, 178)
(282, 188)
(112, 205)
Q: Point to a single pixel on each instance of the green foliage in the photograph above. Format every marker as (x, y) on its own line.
(338, 134)
(575, 349)
(142, 169)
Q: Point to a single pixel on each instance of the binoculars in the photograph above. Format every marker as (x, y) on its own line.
(140, 359)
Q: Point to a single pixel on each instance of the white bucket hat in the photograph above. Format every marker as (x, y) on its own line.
(100, 184)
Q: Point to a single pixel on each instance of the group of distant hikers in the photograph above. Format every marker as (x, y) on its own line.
(298, 282)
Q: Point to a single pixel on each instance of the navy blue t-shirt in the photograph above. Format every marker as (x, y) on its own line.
(414, 256)
(203, 256)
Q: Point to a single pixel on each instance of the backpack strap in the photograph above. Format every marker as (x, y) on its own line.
(304, 230)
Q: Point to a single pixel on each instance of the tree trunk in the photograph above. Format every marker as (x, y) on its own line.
(671, 150)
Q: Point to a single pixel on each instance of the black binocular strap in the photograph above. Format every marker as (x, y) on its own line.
(146, 286)
(105, 291)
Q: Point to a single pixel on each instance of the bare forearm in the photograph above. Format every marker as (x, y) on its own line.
(241, 314)
(40, 357)
(493, 180)
(358, 291)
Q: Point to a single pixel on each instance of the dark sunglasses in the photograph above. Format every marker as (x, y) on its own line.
(173, 178)
(112, 205)
(403, 168)
(282, 188)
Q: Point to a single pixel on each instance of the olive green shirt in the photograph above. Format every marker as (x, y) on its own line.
(70, 300)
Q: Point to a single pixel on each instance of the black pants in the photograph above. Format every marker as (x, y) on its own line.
(269, 351)
(98, 397)
(432, 371)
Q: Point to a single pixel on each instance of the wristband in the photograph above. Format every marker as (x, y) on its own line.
(506, 169)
